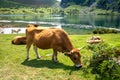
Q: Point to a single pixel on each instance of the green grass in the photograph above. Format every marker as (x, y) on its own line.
(14, 67)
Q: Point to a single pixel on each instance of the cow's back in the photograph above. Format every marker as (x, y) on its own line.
(50, 38)
(43, 39)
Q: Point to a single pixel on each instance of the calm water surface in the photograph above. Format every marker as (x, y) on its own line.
(67, 22)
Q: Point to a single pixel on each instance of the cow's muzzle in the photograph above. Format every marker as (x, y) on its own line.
(78, 66)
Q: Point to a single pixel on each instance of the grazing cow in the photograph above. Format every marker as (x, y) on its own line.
(15, 31)
(19, 40)
(54, 38)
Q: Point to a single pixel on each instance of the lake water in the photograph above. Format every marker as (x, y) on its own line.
(79, 24)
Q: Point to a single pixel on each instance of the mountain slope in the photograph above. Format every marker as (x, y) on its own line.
(26, 3)
(113, 5)
(10, 4)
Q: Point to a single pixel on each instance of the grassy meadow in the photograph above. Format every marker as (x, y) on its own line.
(14, 67)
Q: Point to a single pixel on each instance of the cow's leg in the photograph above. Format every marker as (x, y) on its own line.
(35, 49)
(27, 50)
(54, 56)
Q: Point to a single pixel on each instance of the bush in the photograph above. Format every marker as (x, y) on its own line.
(103, 63)
(104, 31)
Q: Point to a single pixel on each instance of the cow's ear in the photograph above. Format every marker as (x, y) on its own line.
(36, 25)
(29, 25)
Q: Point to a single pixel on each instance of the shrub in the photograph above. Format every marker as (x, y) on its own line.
(104, 31)
(103, 63)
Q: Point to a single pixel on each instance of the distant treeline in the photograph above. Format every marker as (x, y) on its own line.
(109, 6)
(113, 5)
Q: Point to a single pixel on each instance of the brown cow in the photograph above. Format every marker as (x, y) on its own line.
(18, 40)
(54, 38)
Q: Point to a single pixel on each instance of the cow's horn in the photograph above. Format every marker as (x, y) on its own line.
(81, 48)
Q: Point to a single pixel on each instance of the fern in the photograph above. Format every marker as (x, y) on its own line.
(102, 62)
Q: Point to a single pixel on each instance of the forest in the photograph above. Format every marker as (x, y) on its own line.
(65, 7)
(113, 5)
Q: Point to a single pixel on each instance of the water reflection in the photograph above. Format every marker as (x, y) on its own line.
(68, 22)
(94, 20)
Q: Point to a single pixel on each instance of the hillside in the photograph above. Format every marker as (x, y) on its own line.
(113, 5)
(72, 7)
(11, 4)
(26, 3)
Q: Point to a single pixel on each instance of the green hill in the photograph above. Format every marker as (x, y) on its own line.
(113, 5)
(26, 3)
(11, 4)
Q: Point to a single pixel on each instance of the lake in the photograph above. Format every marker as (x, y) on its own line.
(78, 24)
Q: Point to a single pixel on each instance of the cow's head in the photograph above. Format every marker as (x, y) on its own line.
(75, 57)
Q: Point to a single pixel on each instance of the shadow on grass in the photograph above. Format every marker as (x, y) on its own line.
(47, 63)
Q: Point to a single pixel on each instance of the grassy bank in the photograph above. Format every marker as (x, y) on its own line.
(71, 10)
(14, 67)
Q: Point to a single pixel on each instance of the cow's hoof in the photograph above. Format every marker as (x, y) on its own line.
(39, 57)
(55, 60)
(26, 59)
